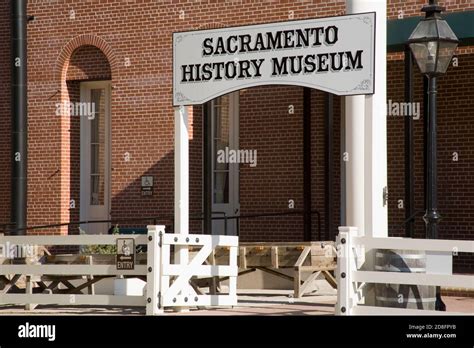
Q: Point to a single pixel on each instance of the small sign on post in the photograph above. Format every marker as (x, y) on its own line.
(147, 186)
(125, 253)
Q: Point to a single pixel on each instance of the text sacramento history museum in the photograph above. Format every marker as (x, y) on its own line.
(242, 45)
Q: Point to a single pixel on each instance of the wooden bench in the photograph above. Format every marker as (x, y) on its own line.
(314, 258)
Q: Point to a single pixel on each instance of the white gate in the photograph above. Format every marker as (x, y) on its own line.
(169, 283)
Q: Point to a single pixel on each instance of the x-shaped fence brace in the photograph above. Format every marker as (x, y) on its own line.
(170, 284)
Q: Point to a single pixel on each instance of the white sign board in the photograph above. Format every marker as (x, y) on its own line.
(333, 54)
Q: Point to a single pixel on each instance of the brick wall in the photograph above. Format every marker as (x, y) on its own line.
(133, 40)
(88, 63)
(410, 8)
(139, 52)
(266, 125)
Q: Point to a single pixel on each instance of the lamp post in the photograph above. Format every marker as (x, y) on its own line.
(433, 44)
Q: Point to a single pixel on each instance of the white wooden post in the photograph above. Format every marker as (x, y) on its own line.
(153, 278)
(181, 180)
(372, 219)
(375, 130)
(346, 264)
(181, 170)
(354, 160)
(376, 222)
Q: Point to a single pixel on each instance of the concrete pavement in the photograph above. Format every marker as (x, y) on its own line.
(251, 302)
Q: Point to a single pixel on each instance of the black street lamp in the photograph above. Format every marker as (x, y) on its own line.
(433, 44)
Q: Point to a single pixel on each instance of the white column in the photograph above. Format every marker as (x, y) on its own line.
(376, 133)
(181, 179)
(354, 161)
(375, 126)
(375, 220)
(181, 170)
(181, 183)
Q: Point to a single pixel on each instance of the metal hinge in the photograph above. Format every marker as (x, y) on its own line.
(385, 196)
(160, 240)
(159, 300)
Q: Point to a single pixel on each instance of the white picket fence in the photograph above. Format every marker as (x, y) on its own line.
(352, 251)
(167, 282)
(89, 270)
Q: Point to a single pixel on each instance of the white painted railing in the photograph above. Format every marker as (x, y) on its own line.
(352, 252)
(167, 283)
(164, 292)
(75, 297)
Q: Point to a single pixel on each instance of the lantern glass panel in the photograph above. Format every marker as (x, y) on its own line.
(425, 54)
(446, 52)
(445, 31)
(425, 29)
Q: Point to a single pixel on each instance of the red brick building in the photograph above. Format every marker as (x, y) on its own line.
(129, 45)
